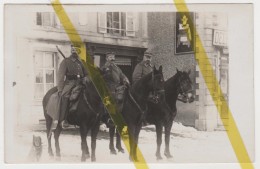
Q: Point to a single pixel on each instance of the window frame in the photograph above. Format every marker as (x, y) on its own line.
(44, 69)
(103, 17)
(54, 20)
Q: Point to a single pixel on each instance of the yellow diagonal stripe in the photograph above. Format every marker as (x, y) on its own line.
(232, 130)
(96, 78)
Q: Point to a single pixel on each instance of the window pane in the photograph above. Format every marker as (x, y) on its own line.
(49, 60)
(38, 76)
(123, 24)
(49, 76)
(38, 18)
(38, 60)
(46, 16)
(49, 86)
(38, 94)
(56, 21)
(116, 25)
(130, 23)
(123, 18)
(116, 16)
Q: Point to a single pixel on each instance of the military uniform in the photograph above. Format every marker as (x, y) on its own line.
(113, 76)
(70, 74)
(143, 68)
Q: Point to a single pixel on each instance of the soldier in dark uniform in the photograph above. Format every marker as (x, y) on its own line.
(71, 73)
(116, 82)
(113, 75)
(143, 68)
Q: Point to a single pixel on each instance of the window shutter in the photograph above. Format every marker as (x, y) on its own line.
(130, 31)
(82, 19)
(38, 18)
(46, 19)
(102, 22)
(57, 23)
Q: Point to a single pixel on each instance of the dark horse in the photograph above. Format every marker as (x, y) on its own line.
(163, 113)
(136, 103)
(87, 117)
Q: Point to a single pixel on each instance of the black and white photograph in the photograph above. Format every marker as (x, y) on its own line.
(146, 59)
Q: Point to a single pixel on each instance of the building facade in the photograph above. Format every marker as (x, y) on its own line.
(164, 31)
(127, 34)
(37, 59)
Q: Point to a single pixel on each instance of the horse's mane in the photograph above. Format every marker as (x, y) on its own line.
(140, 82)
(171, 83)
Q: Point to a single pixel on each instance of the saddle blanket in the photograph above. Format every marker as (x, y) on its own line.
(53, 106)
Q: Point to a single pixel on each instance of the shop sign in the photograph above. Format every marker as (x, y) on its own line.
(220, 38)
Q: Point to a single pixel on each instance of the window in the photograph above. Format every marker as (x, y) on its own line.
(82, 19)
(47, 19)
(45, 72)
(117, 23)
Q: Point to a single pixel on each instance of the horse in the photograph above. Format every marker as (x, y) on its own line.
(163, 113)
(135, 104)
(87, 117)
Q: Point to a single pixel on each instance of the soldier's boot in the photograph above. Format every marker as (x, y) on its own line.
(64, 112)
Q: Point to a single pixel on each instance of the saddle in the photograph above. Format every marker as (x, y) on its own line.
(74, 98)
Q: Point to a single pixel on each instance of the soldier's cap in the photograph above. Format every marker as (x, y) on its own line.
(110, 53)
(75, 45)
(148, 54)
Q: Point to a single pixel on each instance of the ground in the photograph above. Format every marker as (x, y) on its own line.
(187, 146)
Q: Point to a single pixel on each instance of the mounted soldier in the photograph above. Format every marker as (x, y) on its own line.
(71, 75)
(114, 77)
(143, 68)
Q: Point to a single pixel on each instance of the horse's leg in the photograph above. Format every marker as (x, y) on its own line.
(49, 134)
(159, 141)
(136, 137)
(94, 133)
(56, 137)
(168, 127)
(84, 145)
(131, 130)
(118, 142)
(111, 143)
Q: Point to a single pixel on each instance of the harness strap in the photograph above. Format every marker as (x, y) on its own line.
(132, 98)
(89, 105)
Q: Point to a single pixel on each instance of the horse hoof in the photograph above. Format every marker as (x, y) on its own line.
(136, 160)
(51, 154)
(159, 157)
(83, 159)
(87, 156)
(168, 155)
(113, 152)
(58, 158)
(93, 159)
(121, 150)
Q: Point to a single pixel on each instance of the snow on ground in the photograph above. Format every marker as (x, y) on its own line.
(187, 146)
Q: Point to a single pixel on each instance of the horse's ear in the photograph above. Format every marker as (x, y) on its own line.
(154, 68)
(189, 72)
(160, 68)
(177, 70)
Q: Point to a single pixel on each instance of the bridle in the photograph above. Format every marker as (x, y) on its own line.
(181, 87)
(155, 92)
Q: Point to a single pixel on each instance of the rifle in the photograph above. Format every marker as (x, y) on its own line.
(60, 52)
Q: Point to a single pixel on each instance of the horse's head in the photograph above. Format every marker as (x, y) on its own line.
(185, 86)
(157, 80)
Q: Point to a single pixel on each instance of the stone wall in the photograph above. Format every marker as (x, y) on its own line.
(161, 27)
